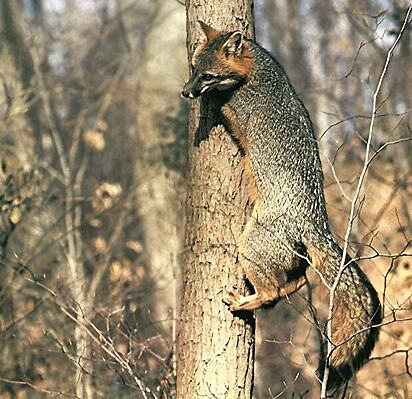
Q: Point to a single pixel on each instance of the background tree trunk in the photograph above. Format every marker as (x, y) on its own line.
(216, 349)
(159, 192)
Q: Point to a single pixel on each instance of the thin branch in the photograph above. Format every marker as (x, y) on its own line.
(38, 389)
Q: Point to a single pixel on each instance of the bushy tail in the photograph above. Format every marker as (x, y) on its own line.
(356, 314)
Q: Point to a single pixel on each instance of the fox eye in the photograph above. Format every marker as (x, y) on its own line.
(208, 76)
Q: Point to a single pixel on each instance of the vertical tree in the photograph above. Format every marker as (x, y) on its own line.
(159, 200)
(216, 348)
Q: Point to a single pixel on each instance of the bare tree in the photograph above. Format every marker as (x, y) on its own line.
(159, 186)
(216, 348)
(63, 240)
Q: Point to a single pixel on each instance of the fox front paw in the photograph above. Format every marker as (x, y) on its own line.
(234, 300)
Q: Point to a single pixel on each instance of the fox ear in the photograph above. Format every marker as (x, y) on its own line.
(233, 45)
(209, 33)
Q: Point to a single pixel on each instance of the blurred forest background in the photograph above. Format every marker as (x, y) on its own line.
(93, 156)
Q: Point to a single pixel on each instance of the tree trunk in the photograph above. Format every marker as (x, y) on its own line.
(159, 200)
(17, 58)
(216, 348)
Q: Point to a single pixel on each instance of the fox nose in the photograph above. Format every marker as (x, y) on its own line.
(186, 94)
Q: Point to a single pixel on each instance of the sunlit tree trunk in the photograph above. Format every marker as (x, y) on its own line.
(216, 348)
(16, 59)
(158, 191)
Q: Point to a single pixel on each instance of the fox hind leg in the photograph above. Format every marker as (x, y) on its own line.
(263, 253)
(263, 294)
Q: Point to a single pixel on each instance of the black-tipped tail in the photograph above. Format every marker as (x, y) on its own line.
(355, 329)
(356, 315)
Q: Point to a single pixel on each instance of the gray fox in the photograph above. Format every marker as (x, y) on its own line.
(288, 229)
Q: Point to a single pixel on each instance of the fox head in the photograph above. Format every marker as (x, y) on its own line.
(221, 61)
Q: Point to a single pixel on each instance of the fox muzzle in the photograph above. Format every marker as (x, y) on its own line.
(189, 91)
(187, 94)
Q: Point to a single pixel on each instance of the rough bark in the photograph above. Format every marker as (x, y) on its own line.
(216, 348)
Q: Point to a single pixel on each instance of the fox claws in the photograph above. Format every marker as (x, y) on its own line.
(234, 300)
